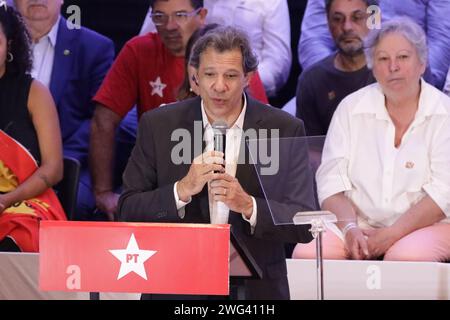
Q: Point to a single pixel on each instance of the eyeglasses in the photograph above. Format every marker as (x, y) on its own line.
(180, 17)
(357, 18)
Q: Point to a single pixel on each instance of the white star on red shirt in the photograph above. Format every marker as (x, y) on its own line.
(158, 87)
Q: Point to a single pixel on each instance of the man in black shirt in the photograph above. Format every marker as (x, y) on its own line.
(321, 88)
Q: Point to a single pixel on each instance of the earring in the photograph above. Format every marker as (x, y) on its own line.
(9, 57)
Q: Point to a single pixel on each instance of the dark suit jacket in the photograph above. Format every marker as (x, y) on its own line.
(150, 176)
(82, 59)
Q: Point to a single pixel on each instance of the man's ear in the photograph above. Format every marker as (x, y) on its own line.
(194, 78)
(202, 14)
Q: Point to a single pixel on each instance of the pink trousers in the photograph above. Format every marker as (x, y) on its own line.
(430, 244)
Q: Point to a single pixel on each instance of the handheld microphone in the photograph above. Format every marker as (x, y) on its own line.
(220, 130)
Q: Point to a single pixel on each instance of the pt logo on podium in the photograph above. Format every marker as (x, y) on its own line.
(132, 259)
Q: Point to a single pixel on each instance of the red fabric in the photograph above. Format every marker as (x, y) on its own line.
(21, 222)
(144, 59)
(256, 89)
(100, 257)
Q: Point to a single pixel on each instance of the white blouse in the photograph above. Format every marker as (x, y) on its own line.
(359, 157)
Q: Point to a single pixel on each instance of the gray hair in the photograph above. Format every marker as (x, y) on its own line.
(404, 26)
(225, 39)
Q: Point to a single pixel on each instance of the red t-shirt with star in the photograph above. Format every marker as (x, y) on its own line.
(146, 74)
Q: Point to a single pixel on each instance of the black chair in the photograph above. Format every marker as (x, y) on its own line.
(67, 188)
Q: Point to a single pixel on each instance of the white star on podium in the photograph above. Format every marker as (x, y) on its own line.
(132, 259)
(158, 87)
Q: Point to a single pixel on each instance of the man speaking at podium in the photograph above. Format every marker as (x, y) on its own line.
(201, 185)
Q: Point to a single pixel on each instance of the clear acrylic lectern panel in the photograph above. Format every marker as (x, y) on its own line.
(286, 169)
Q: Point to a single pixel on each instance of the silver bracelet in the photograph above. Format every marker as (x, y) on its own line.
(348, 227)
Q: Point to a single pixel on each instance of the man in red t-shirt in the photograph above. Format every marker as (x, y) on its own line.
(147, 73)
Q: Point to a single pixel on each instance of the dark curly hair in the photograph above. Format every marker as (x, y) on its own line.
(17, 39)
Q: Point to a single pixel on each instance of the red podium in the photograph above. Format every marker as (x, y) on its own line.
(160, 258)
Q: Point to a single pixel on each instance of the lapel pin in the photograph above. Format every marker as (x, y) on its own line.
(66, 52)
(409, 165)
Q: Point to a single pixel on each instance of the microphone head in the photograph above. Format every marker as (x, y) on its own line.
(220, 131)
(220, 127)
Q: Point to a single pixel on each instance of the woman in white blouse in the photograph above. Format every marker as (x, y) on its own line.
(385, 168)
